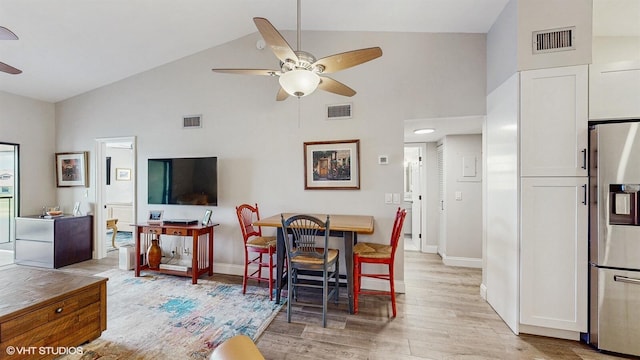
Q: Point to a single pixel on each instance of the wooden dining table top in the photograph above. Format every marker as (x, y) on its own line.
(361, 224)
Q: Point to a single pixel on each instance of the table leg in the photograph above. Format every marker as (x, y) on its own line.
(195, 268)
(138, 264)
(349, 240)
(280, 254)
(211, 251)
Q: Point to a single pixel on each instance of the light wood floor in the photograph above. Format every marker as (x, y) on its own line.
(441, 316)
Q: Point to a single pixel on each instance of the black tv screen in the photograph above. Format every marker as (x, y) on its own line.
(183, 181)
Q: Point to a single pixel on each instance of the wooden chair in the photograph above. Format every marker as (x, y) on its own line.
(372, 253)
(255, 247)
(302, 254)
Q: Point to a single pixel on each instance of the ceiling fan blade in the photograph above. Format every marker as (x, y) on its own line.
(348, 59)
(276, 42)
(6, 34)
(9, 69)
(263, 72)
(334, 86)
(282, 95)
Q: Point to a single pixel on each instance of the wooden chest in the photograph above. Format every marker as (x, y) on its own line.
(46, 312)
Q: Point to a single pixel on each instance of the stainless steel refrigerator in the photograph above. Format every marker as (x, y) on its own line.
(614, 237)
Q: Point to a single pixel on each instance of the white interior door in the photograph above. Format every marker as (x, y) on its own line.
(415, 187)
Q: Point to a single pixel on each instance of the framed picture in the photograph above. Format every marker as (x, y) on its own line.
(123, 174)
(155, 217)
(72, 169)
(207, 217)
(332, 165)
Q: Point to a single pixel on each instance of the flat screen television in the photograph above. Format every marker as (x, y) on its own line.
(183, 181)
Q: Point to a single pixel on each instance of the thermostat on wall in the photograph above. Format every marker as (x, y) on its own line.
(383, 159)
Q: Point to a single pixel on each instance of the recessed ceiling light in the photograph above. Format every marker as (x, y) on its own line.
(423, 131)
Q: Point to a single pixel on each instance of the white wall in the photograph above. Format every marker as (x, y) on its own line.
(31, 124)
(463, 245)
(536, 15)
(120, 191)
(502, 41)
(259, 142)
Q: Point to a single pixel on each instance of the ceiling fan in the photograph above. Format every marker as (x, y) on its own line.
(300, 73)
(6, 34)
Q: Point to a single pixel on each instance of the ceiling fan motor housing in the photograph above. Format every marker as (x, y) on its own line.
(305, 62)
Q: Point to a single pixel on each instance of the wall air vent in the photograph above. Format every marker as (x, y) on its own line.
(192, 121)
(547, 41)
(341, 111)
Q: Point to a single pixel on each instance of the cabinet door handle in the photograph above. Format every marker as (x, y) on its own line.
(584, 188)
(584, 159)
(58, 310)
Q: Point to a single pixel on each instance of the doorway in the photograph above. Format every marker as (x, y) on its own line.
(414, 199)
(115, 193)
(8, 200)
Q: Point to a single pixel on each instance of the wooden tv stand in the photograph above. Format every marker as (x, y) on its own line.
(202, 254)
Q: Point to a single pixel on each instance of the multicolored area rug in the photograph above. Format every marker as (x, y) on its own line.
(167, 317)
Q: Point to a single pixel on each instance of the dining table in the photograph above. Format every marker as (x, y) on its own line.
(346, 227)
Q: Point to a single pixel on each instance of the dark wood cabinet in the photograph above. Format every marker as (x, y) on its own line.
(53, 243)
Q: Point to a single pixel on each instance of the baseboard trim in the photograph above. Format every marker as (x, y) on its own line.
(380, 285)
(554, 333)
(372, 284)
(483, 291)
(229, 269)
(462, 262)
(430, 249)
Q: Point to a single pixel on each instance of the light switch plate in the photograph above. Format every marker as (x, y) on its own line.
(388, 198)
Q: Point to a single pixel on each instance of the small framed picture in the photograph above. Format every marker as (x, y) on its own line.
(155, 217)
(123, 174)
(207, 217)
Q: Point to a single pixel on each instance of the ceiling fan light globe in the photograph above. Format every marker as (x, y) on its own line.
(299, 83)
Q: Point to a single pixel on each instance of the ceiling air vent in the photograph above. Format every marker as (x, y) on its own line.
(341, 111)
(192, 121)
(554, 40)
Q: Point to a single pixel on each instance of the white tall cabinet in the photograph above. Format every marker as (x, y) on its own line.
(553, 200)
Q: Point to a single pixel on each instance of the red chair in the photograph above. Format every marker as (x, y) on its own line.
(255, 247)
(372, 253)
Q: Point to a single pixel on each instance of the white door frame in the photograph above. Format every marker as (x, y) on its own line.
(100, 250)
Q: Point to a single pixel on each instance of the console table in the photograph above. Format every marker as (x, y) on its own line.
(201, 256)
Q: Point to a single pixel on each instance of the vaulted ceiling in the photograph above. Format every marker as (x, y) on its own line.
(68, 47)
